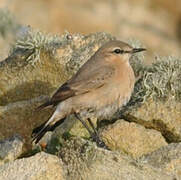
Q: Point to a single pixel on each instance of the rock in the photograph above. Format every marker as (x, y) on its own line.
(85, 161)
(167, 158)
(20, 117)
(11, 149)
(39, 167)
(132, 138)
(163, 116)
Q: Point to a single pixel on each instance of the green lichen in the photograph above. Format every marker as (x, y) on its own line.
(37, 41)
(160, 80)
(54, 146)
(163, 78)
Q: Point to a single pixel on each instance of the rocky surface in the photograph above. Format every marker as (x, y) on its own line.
(20, 117)
(167, 158)
(11, 149)
(132, 138)
(85, 161)
(163, 116)
(39, 167)
(81, 159)
(159, 93)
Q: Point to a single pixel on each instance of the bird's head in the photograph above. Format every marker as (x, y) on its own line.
(119, 49)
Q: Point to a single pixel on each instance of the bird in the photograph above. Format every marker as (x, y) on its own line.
(99, 89)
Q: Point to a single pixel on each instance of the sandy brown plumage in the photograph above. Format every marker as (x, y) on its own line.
(100, 87)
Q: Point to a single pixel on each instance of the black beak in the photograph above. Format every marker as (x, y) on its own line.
(135, 50)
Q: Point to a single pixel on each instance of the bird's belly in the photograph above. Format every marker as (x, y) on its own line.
(105, 105)
(105, 112)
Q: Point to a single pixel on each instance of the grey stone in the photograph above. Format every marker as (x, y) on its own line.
(10, 149)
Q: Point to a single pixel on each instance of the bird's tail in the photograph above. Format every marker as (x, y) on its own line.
(41, 130)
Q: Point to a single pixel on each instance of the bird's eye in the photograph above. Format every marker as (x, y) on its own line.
(118, 51)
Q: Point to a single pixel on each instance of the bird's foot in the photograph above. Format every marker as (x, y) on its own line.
(99, 142)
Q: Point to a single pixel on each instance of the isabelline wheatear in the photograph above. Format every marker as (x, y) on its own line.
(101, 86)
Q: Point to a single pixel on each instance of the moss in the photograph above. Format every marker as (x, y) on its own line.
(66, 136)
(54, 146)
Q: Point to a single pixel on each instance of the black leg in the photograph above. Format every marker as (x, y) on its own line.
(94, 135)
(85, 125)
(96, 138)
(92, 125)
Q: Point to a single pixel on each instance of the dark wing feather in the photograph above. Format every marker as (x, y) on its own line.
(81, 84)
(63, 92)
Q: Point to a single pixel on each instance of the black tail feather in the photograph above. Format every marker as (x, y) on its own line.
(41, 130)
(37, 129)
(37, 136)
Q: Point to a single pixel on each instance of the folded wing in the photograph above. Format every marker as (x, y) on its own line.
(83, 82)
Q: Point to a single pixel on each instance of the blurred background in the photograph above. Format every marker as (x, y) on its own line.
(155, 23)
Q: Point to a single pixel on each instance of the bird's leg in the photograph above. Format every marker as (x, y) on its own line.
(96, 137)
(92, 125)
(84, 124)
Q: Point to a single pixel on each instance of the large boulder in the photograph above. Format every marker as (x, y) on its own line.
(39, 167)
(132, 138)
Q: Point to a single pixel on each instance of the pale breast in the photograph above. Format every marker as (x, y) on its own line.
(111, 99)
(126, 78)
(105, 101)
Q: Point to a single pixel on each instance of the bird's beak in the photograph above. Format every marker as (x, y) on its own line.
(135, 50)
